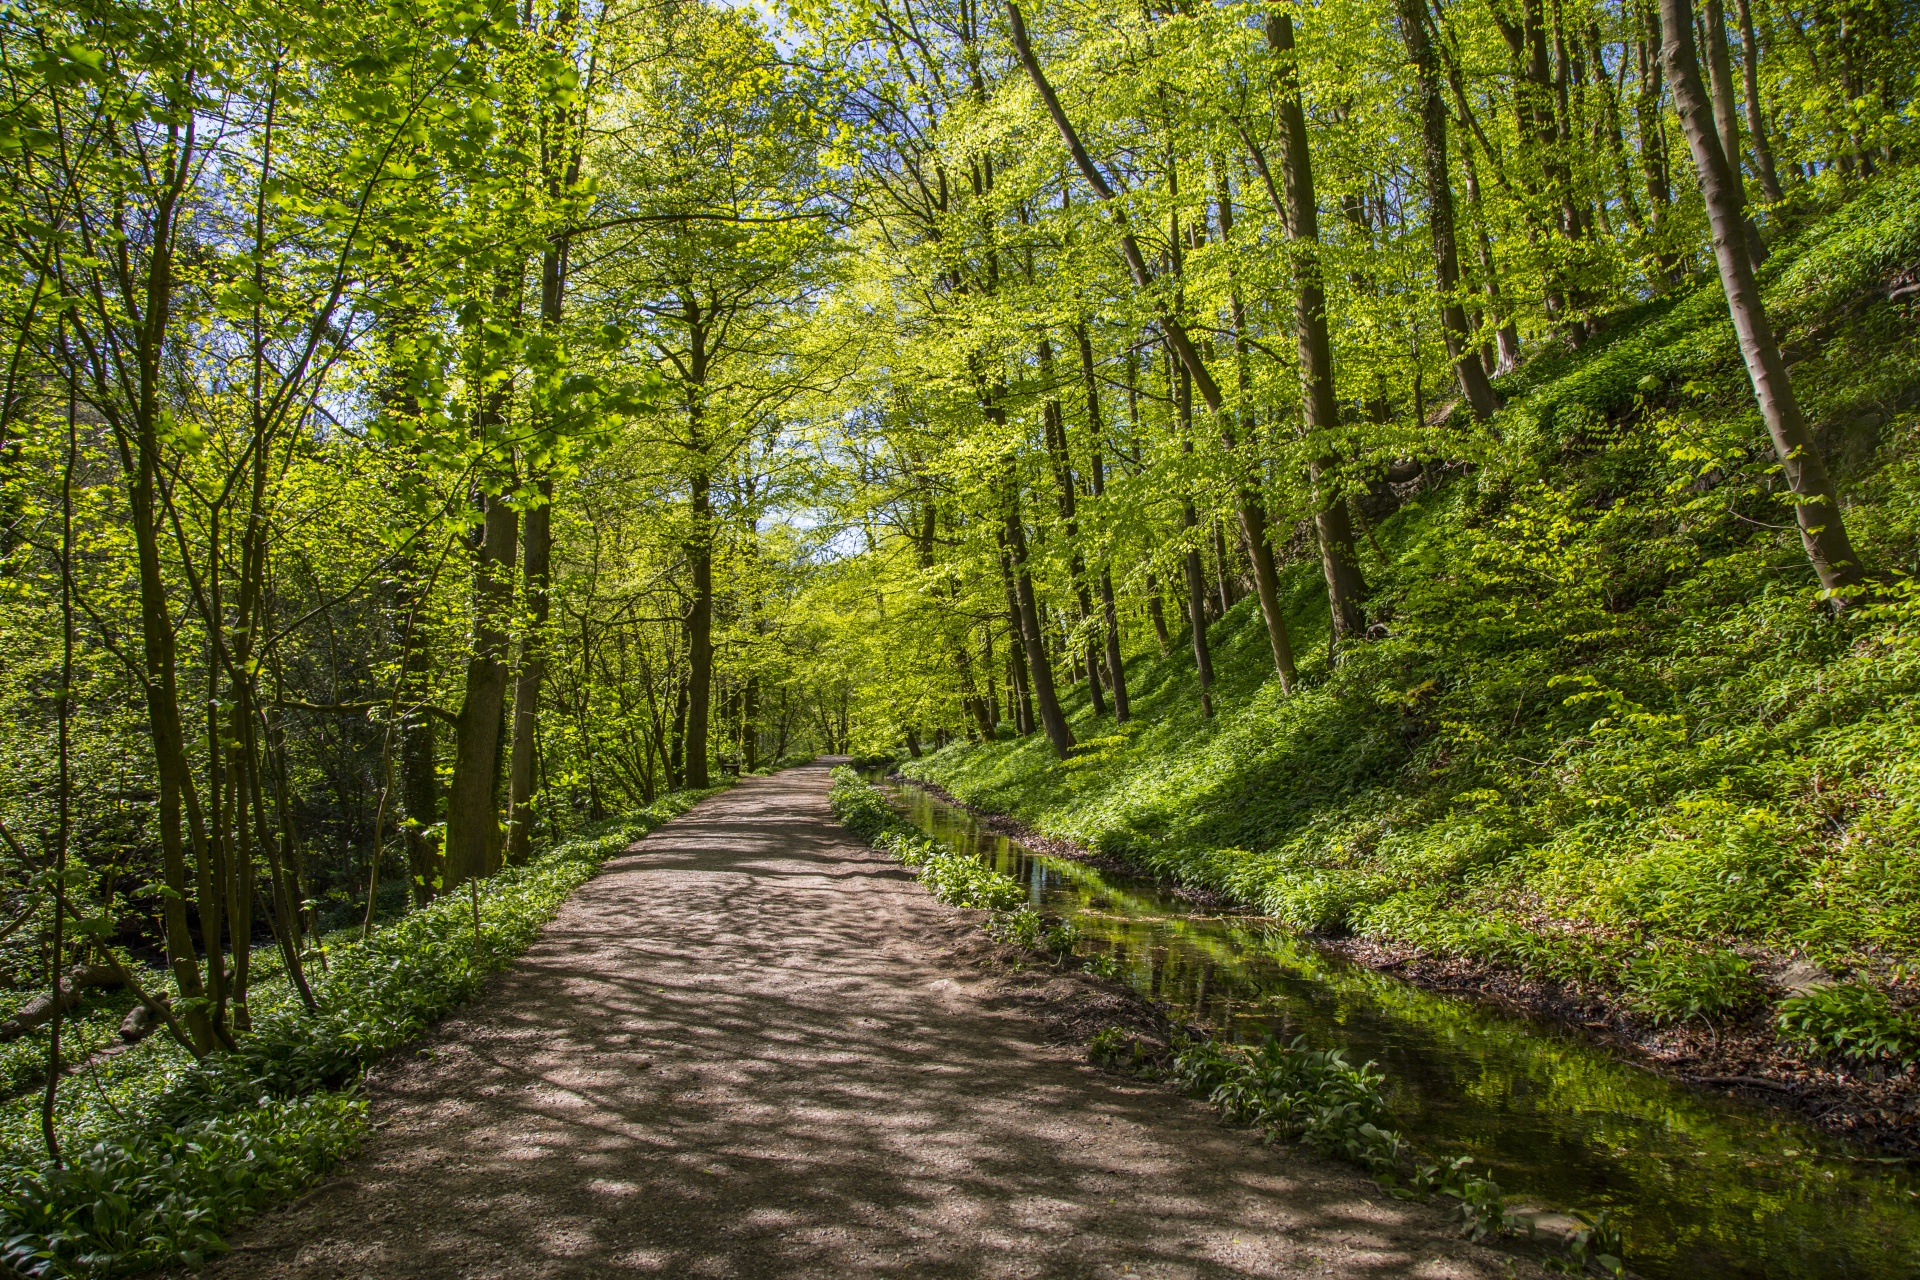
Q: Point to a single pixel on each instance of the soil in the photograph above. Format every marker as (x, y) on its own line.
(1876, 1106)
(752, 1047)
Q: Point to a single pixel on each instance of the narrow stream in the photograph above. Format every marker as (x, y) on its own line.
(1704, 1185)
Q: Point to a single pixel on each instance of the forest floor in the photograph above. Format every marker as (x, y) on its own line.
(754, 1047)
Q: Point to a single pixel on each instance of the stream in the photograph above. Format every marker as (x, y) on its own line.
(1704, 1185)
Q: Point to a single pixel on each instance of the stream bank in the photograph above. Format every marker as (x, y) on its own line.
(1874, 1106)
(1702, 1183)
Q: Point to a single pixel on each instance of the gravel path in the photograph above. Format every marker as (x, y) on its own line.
(746, 1049)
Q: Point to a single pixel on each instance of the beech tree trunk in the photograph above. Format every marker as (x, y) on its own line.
(1173, 330)
(1474, 386)
(1023, 721)
(1040, 672)
(699, 634)
(1756, 118)
(179, 820)
(1299, 211)
(536, 560)
(419, 780)
(1816, 508)
(1190, 563)
(473, 817)
(1726, 117)
(1650, 126)
(1197, 609)
(1157, 612)
(1097, 480)
(1064, 483)
(536, 563)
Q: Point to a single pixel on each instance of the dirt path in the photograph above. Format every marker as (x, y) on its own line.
(740, 1052)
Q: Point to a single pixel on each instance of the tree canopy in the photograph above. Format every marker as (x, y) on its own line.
(432, 425)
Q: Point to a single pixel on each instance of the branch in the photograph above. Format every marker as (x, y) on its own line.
(1176, 332)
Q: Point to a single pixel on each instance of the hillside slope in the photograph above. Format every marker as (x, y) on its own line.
(1611, 740)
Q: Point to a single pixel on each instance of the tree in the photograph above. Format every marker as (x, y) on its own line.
(1816, 506)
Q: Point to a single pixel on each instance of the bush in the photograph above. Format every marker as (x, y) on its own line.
(1674, 983)
(1027, 928)
(199, 1148)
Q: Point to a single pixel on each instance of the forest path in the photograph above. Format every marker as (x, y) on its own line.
(740, 1052)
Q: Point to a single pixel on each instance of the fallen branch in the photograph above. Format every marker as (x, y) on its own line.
(42, 1008)
(1751, 1082)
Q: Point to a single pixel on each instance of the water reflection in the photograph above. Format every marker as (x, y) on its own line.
(1704, 1185)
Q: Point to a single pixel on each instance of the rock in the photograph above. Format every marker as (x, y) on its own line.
(1543, 1222)
(1803, 976)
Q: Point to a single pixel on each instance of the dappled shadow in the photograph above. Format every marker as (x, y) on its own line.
(739, 1052)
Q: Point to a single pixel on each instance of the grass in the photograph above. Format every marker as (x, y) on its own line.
(165, 1154)
(1612, 737)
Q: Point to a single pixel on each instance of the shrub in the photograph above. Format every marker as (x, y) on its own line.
(1851, 1020)
(1674, 983)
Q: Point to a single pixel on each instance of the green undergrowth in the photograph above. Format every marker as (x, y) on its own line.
(163, 1154)
(1611, 737)
(1296, 1093)
(1315, 1097)
(952, 877)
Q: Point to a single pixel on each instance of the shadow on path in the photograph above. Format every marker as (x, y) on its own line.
(737, 1052)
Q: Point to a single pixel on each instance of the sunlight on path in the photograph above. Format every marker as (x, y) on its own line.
(738, 1052)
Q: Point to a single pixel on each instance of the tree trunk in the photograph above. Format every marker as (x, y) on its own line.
(473, 818)
(1474, 386)
(1610, 123)
(677, 742)
(699, 635)
(1298, 209)
(1055, 431)
(750, 725)
(1097, 481)
(176, 799)
(970, 700)
(1756, 118)
(1816, 506)
(1023, 686)
(419, 780)
(1157, 612)
(536, 559)
(1726, 117)
(420, 798)
(1650, 131)
(1506, 334)
(1143, 277)
(537, 556)
(1190, 562)
(1223, 583)
(1040, 672)
(1197, 609)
